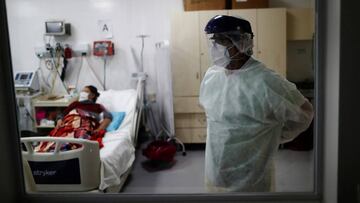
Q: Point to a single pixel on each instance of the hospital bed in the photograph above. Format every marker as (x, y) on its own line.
(88, 167)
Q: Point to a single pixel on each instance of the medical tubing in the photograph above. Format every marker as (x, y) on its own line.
(79, 72)
(47, 62)
(58, 55)
(48, 79)
(172, 137)
(42, 74)
(49, 39)
(29, 114)
(166, 130)
(152, 118)
(104, 81)
(55, 66)
(177, 140)
(93, 72)
(59, 73)
(150, 121)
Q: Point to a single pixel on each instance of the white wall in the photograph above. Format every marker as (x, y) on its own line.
(129, 19)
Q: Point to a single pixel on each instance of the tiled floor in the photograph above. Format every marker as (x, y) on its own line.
(294, 172)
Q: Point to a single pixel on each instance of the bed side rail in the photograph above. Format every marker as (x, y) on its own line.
(87, 144)
(84, 163)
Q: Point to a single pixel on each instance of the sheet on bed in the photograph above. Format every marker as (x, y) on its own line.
(118, 153)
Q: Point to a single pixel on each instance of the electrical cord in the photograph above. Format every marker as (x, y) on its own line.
(57, 65)
(172, 137)
(151, 121)
(104, 81)
(93, 72)
(78, 75)
(42, 74)
(49, 64)
(29, 115)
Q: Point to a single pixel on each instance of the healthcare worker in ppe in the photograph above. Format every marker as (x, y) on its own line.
(250, 110)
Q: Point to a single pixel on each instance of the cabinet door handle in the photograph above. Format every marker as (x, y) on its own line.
(197, 76)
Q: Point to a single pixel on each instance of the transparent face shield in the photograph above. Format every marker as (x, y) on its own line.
(221, 43)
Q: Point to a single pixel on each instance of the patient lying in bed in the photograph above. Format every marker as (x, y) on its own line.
(81, 119)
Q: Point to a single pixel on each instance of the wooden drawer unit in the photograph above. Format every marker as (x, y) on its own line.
(191, 135)
(187, 105)
(300, 23)
(190, 120)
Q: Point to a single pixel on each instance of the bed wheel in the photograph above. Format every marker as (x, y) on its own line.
(184, 153)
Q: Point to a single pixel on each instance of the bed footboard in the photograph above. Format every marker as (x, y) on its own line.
(73, 170)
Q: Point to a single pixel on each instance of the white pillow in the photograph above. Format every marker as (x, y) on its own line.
(118, 100)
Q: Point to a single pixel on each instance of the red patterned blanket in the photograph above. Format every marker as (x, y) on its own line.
(77, 123)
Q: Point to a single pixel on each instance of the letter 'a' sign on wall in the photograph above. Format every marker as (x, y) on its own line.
(105, 28)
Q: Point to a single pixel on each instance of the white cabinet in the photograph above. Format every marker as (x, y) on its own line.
(190, 59)
(271, 40)
(269, 28)
(300, 23)
(185, 53)
(249, 15)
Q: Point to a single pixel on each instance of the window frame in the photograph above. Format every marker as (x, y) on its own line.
(19, 193)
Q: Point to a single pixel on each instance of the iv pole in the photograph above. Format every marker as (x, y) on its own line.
(142, 49)
(148, 117)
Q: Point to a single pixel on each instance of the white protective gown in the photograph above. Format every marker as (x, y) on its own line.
(249, 113)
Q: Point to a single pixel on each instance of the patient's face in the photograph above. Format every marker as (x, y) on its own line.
(87, 90)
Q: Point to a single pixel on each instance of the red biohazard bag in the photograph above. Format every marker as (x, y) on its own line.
(160, 150)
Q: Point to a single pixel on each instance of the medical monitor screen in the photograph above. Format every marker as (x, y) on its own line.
(54, 27)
